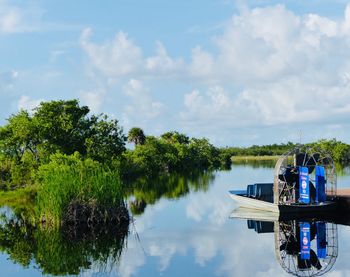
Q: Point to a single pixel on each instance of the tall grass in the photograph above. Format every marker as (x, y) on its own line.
(68, 180)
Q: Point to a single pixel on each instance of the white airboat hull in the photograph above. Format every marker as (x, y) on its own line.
(259, 205)
(251, 203)
(253, 214)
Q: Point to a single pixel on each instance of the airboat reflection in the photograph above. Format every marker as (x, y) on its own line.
(303, 247)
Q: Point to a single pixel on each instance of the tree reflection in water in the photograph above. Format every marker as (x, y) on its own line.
(71, 249)
(61, 251)
(145, 192)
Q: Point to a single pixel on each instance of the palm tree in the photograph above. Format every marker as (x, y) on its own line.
(137, 136)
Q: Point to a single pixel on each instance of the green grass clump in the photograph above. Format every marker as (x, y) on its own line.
(69, 179)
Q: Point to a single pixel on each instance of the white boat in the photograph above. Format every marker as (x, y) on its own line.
(247, 202)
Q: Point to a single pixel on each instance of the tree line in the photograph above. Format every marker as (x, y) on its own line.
(79, 164)
(28, 141)
(339, 151)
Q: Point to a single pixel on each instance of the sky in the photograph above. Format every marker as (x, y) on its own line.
(236, 72)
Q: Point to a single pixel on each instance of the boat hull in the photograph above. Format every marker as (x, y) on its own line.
(251, 203)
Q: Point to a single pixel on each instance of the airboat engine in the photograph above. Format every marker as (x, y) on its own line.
(304, 176)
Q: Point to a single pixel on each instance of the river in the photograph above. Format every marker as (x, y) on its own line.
(184, 229)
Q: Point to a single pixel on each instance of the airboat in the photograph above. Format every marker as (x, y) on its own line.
(304, 182)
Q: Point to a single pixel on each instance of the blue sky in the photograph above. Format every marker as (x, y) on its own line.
(237, 72)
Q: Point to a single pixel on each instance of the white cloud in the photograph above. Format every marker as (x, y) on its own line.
(162, 63)
(325, 26)
(269, 66)
(94, 99)
(201, 64)
(258, 45)
(115, 58)
(215, 109)
(7, 79)
(142, 107)
(26, 103)
(27, 17)
(15, 19)
(346, 23)
(55, 54)
(9, 22)
(121, 57)
(274, 67)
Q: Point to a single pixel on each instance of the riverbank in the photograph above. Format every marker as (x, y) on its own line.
(254, 158)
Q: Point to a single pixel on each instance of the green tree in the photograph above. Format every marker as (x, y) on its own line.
(62, 125)
(18, 136)
(137, 136)
(339, 151)
(204, 153)
(106, 139)
(175, 137)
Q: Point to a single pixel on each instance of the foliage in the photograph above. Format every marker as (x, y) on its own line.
(172, 152)
(27, 141)
(175, 137)
(263, 150)
(17, 174)
(339, 151)
(18, 136)
(106, 139)
(62, 125)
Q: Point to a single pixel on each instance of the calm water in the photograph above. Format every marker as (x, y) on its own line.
(183, 230)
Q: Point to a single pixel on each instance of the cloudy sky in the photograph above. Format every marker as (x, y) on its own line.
(237, 72)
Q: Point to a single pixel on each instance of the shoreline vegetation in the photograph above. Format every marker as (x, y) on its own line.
(61, 165)
(78, 166)
(254, 158)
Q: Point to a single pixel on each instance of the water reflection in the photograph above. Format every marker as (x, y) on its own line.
(268, 163)
(145, 192)
(189, 236)
(71, 250)
(61, 251)
(306, 248)
(303, 247)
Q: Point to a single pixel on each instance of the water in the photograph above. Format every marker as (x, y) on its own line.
(182, 230)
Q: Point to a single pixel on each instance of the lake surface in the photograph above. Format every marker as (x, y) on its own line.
(183, 230)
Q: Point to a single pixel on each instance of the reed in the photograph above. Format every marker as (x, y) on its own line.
(67, 189)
